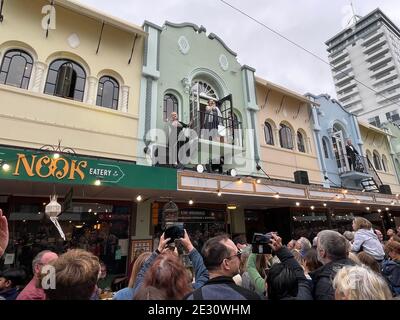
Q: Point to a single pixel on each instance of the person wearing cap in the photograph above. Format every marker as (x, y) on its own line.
(10, 280)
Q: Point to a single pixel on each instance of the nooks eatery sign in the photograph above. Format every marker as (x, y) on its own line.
(42, 166)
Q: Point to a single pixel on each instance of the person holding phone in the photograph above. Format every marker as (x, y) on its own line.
(201, 273)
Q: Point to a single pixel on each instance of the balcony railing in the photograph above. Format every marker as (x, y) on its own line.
(229, 129)
(356, 164)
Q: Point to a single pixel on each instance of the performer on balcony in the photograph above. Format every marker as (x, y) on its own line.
(212, 118)
(175, 141)
(352, 154)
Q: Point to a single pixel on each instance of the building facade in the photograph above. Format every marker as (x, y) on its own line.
(380, 155)
(285, 133)
(179, 77)
(333, 127)
(69, 90)
(365, 62)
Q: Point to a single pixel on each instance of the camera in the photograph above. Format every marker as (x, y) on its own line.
(174, 232)
(260, 243)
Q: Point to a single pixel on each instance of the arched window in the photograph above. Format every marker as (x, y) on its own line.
(325, 146)
(170, 105)
(16, 69)
(268, 133)
(300, 142)
(285, 137)
(377, 160)
(385, 164)
(66, 79)
(108, 93)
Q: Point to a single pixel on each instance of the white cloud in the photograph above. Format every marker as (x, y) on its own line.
(307, 22)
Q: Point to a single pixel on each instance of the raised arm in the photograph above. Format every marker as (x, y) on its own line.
(200, 271)
(3, 233)
(149, 262)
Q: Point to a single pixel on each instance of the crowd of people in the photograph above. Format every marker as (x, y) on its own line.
(356, 266)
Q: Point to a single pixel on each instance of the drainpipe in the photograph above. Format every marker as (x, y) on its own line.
(317, 129)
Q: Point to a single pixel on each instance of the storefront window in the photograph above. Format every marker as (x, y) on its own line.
(102, 229)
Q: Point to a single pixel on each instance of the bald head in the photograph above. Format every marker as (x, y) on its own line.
(42, 258)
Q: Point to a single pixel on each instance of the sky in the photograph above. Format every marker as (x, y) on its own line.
(307, 22)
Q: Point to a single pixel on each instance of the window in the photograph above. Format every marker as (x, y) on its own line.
(397, 164)
(377, 161)
(108, 93)
(170, 105)
(325, 146)
(300, 142)
(385, 164)
(392, 116)
(16, 69)
(237, 127)
(268, 133)
(285, 137)
(66, 79)
(375, 121)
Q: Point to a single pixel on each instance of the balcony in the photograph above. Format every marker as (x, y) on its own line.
(376, 54)
(388, 85)
(373, 44)
(231, 132)
(337, 58)
(385, 77)
(345, 96)
(343, 72)
(388, 95)
(373, 35)
(386, 67)
(352, 168)
(347, 103)
(344, 76)
(354, 108)
(345, 87)
(340, 65)
(379, 64)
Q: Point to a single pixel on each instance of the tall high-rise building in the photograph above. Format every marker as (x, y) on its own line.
(365, 62)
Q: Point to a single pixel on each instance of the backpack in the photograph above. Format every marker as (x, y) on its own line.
(391, 271)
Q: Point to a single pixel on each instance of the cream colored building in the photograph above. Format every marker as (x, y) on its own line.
(378, 150)
(285, 133)
(69, 73)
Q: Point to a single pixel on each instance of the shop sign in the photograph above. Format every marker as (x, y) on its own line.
(43, 166)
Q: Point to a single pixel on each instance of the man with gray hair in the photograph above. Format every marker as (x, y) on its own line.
(332, 251)
(33, 290)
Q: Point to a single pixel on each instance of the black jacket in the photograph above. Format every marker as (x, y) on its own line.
(222, 288)
(323, 277)
(305, 290)
(351, 152)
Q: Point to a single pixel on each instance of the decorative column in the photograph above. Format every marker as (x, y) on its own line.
(92, 91)
(125, 98)
(40, 68)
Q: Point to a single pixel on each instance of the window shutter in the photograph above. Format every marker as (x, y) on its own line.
(64, 80)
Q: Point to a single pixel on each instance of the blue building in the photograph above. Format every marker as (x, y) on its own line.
(333, 127)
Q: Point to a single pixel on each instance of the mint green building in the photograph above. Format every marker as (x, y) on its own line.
(184, 67)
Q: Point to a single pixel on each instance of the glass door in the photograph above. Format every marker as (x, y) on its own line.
(340, 151)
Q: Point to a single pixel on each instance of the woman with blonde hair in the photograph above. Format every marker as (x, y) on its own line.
(127, 293)
(360, 283)
(366, 240)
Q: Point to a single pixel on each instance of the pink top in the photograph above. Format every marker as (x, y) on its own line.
(31, 292)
